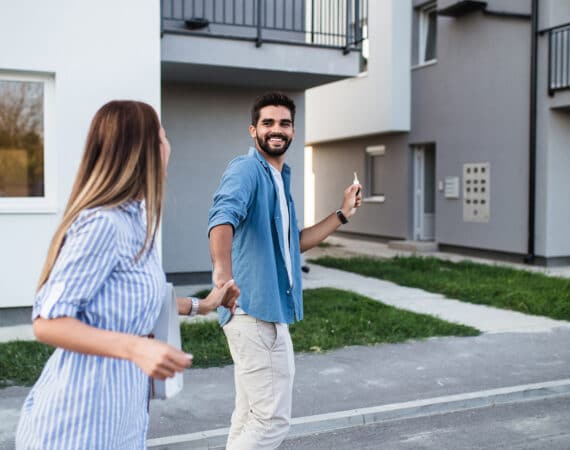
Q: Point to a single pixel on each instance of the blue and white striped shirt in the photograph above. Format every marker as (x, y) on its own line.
(91, 402)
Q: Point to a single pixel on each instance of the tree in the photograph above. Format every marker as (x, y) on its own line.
(21, 128)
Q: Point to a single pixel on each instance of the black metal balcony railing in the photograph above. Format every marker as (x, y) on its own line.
(558, 58)
(325, 23)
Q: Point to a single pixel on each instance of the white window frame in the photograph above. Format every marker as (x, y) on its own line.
(47, 203)
(371, 152)
(423, 20)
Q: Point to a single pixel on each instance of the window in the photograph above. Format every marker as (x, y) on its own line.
(375, 173)
(26, 178)
(427, 33)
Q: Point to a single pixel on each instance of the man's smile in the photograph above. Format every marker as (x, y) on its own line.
(276, 139)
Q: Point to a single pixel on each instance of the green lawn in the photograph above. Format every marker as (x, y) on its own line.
(333, 319)
(22, 361)
(502, 287)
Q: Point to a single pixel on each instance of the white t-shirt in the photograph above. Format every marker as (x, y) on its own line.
(284, 221)
(284, 218)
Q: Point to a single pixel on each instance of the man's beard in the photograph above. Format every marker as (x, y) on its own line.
(266, 147)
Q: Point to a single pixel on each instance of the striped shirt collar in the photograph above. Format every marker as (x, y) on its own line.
(132, 206)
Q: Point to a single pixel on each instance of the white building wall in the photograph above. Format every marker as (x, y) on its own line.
(377, 101)
(94, 51)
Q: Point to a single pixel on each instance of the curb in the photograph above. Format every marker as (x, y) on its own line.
(303, 426)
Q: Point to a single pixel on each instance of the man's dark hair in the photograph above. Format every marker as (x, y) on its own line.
(271, 99)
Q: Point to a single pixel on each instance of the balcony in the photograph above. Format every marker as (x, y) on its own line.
(290, 44)
(558, 58)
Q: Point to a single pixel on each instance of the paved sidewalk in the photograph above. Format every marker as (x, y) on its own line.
(366, 384)
(518, 357)
(362, 383)
(17, 333)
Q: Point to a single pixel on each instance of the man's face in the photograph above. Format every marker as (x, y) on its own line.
(274, 131)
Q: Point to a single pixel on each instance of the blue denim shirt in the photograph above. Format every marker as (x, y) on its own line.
(247, 199)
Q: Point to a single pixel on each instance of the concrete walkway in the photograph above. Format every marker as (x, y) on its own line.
(484, 318)
(345, 247)
(17, 333)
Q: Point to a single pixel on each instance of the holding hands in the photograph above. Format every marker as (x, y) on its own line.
(223, 294)
(230, 299)
(226, 296)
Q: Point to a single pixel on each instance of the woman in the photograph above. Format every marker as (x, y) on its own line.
(100, 293)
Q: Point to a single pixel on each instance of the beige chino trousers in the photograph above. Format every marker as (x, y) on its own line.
(264, 368)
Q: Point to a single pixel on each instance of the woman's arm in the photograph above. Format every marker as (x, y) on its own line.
(155, 358)
(225, 296)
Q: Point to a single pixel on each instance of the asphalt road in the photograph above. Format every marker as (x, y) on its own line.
(536, 425)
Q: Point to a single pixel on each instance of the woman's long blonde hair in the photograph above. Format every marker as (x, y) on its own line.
(121, 162)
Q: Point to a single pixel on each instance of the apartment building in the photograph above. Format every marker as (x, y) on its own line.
(461, 130)
(199, 63)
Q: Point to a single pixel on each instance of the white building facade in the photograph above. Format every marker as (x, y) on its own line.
(74, 56)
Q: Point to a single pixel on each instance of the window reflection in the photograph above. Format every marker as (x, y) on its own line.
(21, 139)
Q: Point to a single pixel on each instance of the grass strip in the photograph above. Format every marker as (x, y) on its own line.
(498, 286)
(21, 362)
(333, 319)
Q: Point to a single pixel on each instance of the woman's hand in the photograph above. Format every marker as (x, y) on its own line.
(226, 296)
(158, 359)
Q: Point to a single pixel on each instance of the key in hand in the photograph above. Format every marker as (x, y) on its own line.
(355, 181)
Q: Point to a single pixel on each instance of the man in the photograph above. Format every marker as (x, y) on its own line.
(255, 239)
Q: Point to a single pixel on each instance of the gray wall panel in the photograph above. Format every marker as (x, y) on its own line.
(553, 137)
(473, 104)
(543, 112)
(511, 6)
(558, 162)
(554, 12)
(334, 164)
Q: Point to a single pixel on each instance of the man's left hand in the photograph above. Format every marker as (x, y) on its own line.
(352, 200)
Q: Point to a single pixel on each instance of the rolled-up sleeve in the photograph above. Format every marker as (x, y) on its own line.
(85, 261)
(234, 194)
